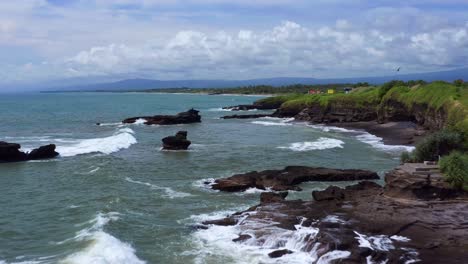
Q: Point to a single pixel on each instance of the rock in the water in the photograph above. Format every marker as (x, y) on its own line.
(242, 238)
(271, 197)
(279, 253)
(331, 193)
(191, 116)
(44, 152)
(177, 142)
(288, 178)
(9, 152)
(245, 116)
(368, 222)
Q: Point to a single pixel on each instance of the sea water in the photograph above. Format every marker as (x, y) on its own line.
(114, 197)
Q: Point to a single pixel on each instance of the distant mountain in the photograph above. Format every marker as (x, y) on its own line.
(142, 84)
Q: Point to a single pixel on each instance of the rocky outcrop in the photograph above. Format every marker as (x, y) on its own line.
(422, 114)
(245, 116)
(257, 105)
(177, 142)
(44, 152)
(10, 152)
(362, 223)
(288, 178)
(401, 183)
(191, 116)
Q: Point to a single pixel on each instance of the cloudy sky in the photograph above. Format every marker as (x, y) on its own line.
(43, 40)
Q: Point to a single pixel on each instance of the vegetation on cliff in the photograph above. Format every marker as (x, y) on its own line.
(438, 106)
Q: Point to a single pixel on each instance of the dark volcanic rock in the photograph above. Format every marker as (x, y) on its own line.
(244, 116)
(9, 152)
(229, 221)
(271, 197)
(288, 178)
(191, 116)
(177, 142)
(331, 193)
(367, 223)
(279, 253)
(242, 238)
(44, 152)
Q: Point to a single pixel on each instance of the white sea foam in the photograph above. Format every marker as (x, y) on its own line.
(111, 124)
(400, 238)
(168, 192)
(219, 110)
(280, 121)
(140, 121)
(378, 143)
(320, 144)
(382, 242)
(326, 128)
(121, 139)
(216, 242)
(333, 255)
(103, 247)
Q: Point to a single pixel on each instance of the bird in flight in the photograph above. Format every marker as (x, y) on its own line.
(398, 69)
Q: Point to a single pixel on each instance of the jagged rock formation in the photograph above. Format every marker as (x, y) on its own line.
(364, 223)
(191, 116)
(10, 152)
(177, 142)
(288, 178)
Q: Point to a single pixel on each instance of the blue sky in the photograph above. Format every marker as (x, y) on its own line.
(218, 39)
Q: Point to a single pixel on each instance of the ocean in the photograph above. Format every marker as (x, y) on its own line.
(114, 197)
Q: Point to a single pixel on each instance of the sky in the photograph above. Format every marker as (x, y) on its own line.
(56, 40)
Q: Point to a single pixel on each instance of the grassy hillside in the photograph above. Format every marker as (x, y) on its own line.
(446, 98)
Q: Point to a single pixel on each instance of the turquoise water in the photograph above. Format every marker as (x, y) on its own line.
(114, 197)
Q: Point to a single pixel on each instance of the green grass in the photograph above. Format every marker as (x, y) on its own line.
(436, 96)
(361, 97)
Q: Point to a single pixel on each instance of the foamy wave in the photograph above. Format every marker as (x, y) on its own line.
(217, 241)
(320, 144)
(104, 248)
(169, 192)
(326, 128)
(281, 121)
(219, 110)
(122, 139)
(378, 143)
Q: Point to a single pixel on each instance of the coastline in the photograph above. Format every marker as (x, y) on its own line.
(392, 133)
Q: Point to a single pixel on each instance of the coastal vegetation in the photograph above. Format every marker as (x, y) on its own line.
(257, 89)
(440, 107)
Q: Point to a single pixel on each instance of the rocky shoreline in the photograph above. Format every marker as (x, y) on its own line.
(409, 220)
(10, 152)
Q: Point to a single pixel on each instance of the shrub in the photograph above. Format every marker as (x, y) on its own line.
(406, 157)
(438, 144)
(455, 169)
(389, 85)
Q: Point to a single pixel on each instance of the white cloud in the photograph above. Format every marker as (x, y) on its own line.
(94, 38)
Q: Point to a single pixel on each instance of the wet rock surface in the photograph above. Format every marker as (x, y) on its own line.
(177, 142)
(288, 178)
(363, 223)
(191, 116)
(10, 152)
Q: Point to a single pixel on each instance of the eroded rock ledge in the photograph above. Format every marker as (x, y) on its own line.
(10, 152)
(364, 223)
(288, 178)
(191, 116)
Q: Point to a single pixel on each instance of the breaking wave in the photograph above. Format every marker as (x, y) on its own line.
(103, 247)
(122, 139)
(320, 144)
